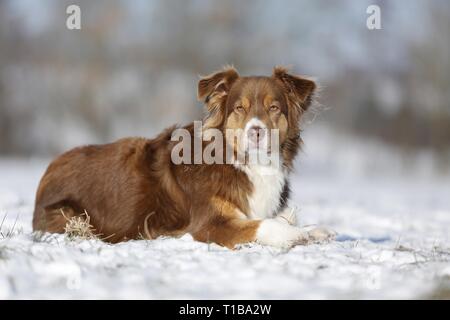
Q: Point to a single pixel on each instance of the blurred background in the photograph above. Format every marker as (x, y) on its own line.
(132, 69)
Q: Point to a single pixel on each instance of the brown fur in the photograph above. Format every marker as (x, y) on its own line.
(131, 188)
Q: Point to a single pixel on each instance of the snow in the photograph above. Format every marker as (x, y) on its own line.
(393, 243)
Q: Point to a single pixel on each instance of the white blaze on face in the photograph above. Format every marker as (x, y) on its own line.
(255, 135)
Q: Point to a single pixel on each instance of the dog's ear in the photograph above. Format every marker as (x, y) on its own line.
(213, 90)
(216, 84)
(299, 90)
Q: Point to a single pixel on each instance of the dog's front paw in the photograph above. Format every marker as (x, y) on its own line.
(321, 234)
(276, 233)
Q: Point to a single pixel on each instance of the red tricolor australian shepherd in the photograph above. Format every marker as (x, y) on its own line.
(144, 188)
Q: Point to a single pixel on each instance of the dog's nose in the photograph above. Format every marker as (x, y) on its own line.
(256, 133)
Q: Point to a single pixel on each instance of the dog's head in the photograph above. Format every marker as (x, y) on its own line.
(256, 106)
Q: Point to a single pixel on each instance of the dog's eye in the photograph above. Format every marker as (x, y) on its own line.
(274, 108)
(239, 108)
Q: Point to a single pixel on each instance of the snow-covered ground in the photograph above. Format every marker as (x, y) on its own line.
(393, 243)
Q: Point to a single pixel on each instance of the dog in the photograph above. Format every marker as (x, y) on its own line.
(133, 188)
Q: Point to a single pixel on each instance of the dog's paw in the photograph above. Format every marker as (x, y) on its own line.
(288, 215)
(279, 234)
(321, 234)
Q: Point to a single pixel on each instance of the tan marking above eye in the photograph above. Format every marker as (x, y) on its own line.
(271, 104)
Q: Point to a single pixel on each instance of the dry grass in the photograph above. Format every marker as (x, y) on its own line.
(79, 227)
(8, 233)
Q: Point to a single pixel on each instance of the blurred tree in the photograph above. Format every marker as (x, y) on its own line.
(132, 68)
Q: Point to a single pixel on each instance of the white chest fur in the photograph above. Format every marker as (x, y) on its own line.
(268, 183)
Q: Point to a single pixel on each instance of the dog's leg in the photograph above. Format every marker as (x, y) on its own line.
(279, 233)
(272, 232)
(228, 232)
(227, 227)
(52, 219)
(321, 234)
(317, 234)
